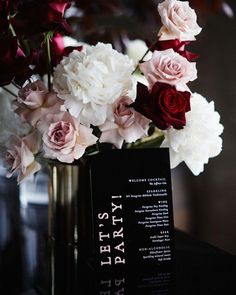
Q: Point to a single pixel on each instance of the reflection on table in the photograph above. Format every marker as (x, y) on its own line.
(30, 263)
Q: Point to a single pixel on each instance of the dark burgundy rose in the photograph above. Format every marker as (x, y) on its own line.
(8, 51)
(13, 63)
(8, 8)
(164, 105)
(177, 45)
(41, 16)
(4, 13)
(22, 69)
(13, 4)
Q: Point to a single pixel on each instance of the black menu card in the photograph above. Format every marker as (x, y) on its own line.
(132, 208)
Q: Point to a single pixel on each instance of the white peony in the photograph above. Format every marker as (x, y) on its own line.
(199, 140)
(90, 82)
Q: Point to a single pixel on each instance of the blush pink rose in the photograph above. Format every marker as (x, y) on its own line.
(179, 21)
(34, 101)
(169, 67)
(20, 155)
(64, 138)
(128, 124)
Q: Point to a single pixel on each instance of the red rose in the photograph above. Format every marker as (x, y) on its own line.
(177, 45)
(164, 105)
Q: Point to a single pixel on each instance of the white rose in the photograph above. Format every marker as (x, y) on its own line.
(90, 82)
(179, 21)
(199, 140)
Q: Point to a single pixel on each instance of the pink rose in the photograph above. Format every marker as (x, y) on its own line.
(179, 21)
(34, 101)
(169, 67)
(64, 138)
(128, 124)
(20, 155)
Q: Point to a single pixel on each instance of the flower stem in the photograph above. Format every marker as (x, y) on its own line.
(9, 91)
(12, 30)
(49, 60)
(147, 51)
(141, 60)
(22, 43)
(16, 85)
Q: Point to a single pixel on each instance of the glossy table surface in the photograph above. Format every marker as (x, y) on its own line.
(30, 264)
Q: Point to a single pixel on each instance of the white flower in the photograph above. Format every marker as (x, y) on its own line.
(90, 82)
(136, 49)
(10, 123)
(69, 41)
(199, 140)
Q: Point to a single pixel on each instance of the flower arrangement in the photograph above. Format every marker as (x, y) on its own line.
(96, 95)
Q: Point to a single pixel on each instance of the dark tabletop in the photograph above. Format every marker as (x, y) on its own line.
(31, 264)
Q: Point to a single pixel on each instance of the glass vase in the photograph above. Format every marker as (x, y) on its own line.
(69, 208)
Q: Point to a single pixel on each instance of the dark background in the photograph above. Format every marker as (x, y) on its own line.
(205, 205)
